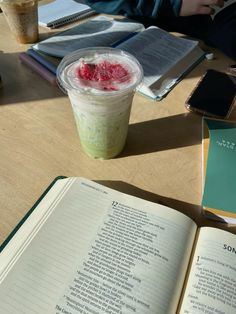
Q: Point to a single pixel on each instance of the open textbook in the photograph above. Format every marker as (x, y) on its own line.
(165, 58)
(219, 172)
(85, 248)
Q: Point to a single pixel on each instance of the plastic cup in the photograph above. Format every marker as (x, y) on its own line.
(22, 18)
(100, 83)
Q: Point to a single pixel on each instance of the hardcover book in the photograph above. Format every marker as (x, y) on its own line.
(219, 171)
(165, 58)
(86, 248)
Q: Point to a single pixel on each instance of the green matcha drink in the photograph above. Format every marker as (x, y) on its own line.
(100, 83)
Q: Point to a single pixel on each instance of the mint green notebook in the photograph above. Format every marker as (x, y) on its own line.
(220, 176)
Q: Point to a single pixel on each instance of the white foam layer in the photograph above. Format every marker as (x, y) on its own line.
(71, 77)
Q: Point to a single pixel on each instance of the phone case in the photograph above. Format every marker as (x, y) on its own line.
(213, 95)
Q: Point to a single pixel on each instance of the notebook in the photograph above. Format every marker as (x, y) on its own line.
(60, 12)
(219, 171)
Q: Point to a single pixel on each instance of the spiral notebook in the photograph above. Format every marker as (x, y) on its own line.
(60, 12)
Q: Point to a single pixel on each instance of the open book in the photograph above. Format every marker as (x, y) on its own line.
(165, 58)
(99, 31)
(86, 248)
(60, 12)
(219, 172)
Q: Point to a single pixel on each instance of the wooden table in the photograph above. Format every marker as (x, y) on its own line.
(38, 141)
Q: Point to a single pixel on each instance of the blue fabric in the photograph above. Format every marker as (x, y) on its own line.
(162, 13)
(135, 8)
(222, 33)
(176, 6)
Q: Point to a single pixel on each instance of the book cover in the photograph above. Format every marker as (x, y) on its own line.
(49, 62)
(38, 68)
(219, 171)
(29, 212)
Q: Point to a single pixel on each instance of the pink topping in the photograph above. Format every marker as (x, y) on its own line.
(105, 72)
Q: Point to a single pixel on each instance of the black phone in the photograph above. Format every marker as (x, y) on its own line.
(214, 94)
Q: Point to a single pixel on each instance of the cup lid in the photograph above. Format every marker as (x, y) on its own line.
(99, 70)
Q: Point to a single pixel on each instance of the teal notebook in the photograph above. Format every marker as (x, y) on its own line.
(219, 195)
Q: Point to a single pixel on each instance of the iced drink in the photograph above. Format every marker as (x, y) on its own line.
(100, 83)
(22, 18)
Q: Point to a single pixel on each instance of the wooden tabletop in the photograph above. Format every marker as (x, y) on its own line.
(161, 161)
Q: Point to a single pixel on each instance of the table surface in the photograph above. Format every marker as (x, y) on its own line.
(161, 162)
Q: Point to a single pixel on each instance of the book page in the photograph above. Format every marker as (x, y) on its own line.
(101, 251)
(211, 286)
(100, 31)
(162, 48)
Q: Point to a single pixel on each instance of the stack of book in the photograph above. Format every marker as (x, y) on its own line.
(171, 57)
(52, 15)
(44, 57)
(44, 65)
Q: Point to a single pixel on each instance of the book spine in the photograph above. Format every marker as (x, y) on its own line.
(118, 42)
(38, 68)
(50, 66)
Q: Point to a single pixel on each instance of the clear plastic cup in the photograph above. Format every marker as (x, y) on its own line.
(22, 18)
(100, 83)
